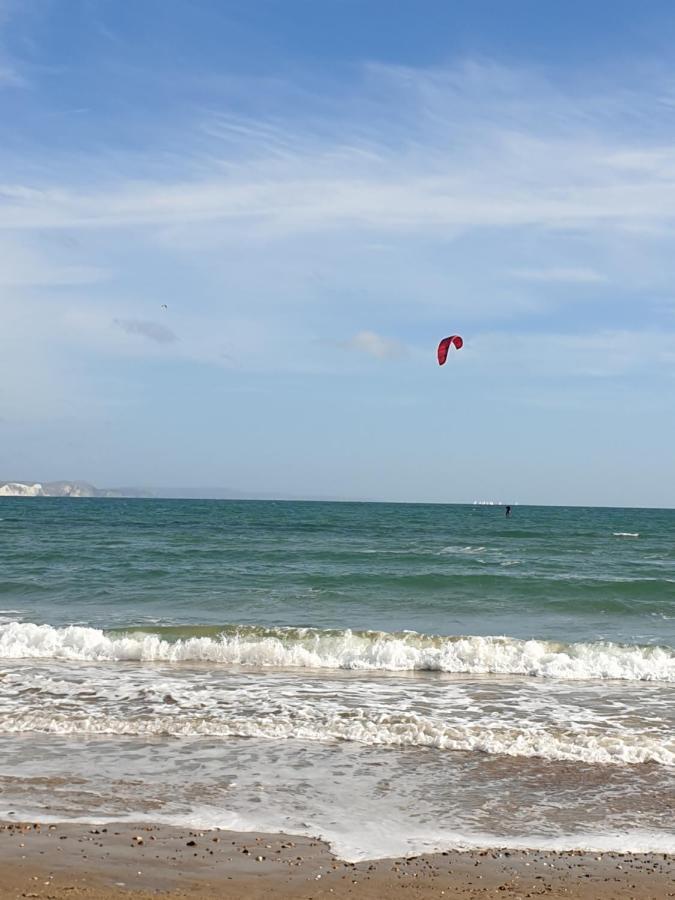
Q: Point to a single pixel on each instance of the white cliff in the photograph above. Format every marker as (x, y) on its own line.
(19, 489)
(63, 489)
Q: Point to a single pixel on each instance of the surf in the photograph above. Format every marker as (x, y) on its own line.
(313, 648)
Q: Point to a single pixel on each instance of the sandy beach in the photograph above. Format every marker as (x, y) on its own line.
(105, 861)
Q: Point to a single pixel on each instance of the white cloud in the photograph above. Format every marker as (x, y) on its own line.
(376, 345)
(408, 200)
(473, 147)
(268, 236)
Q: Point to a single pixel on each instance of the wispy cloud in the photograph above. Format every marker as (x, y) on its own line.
(10, 77)
(463, 150)
(153, 331)
(376, 345)
(562, 275)
(604, 353)
(28, 264)
(432, 201)
(404, 201)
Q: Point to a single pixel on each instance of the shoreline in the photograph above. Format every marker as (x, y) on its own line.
(102, 862)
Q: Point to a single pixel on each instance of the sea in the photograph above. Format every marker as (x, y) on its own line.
(391, 678)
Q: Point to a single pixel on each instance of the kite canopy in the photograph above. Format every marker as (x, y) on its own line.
(453, 341)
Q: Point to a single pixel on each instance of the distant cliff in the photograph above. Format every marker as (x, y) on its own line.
(64, 489)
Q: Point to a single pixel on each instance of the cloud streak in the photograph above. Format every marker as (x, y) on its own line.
(153, 331)
(463, 151)
(561, 275)
(474, 199)
(404, 201)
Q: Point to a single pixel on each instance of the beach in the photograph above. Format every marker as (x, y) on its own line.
(233, 697)
(337, 430)
(60, 861)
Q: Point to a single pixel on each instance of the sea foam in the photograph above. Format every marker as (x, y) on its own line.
(323, 649)
(368, 728)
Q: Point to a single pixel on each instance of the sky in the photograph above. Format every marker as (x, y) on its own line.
(232, 233)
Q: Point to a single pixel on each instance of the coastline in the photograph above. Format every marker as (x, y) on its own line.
(101, 862)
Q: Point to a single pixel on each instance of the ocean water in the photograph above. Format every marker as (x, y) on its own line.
(392, 678)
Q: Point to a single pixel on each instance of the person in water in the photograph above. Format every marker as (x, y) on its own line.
(508, 512)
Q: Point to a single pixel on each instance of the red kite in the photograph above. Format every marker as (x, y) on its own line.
(453, 341)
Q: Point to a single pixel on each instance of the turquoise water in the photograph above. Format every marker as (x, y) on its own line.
(562, 574)
(392, 678)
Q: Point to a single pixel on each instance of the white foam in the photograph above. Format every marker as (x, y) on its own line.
(365, 802)
(631, 534)
(317, 649)
(367, 841)
(369, 728)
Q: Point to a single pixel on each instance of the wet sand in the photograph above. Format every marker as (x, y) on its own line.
(56, 862)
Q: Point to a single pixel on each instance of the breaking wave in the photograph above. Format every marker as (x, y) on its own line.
(331, 649)
(372, 729)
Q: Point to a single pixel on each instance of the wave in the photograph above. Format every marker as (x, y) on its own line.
(402, 730)
(331, 649)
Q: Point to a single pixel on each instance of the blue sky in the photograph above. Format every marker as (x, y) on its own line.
(318, 192)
